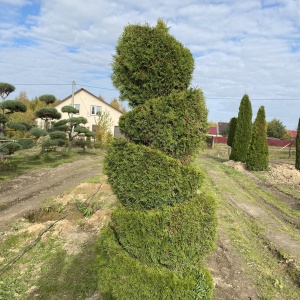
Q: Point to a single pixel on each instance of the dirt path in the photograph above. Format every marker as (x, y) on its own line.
(273, 212)
(27, 192)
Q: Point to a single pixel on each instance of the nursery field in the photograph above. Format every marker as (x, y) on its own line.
(50, 218)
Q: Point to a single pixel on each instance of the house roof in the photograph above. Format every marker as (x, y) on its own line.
(293, 133)
(82, 89)
(213, 130)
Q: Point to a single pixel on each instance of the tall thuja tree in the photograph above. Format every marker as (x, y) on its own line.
(258, 152)
(231, 131)
(297, 163)
(164, 224)
(243, 132)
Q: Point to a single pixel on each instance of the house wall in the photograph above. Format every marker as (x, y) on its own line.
(86, 101)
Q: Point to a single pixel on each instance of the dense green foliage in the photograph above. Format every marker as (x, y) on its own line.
(174, 124)
(176, 235)
(72, 127)
(150, 63)
(69, 109)
(5, 89)
(165, 224)
(48, 99)
(276, 129)
(145, 178)
(47, 113)
(12, 106)
(125, 277)
(297, 163)
(231, 132)
(10, 148)
(243, 132)
(258, 153)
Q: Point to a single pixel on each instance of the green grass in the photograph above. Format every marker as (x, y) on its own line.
(267, 269)
(26, 160)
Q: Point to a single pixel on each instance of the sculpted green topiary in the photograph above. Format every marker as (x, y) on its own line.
(258, 153)
(150, 63)
(175, 124)
(164, 225)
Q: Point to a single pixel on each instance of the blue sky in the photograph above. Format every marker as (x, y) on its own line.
(249, 46)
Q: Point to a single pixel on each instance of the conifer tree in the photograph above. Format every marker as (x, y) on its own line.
(163, 228)
(258, 153)
(297, 164)
(231, 132)
(243, 133)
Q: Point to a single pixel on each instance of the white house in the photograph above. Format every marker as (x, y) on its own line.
(89, 107)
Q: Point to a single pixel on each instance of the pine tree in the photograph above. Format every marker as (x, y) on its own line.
(242, 137)
(297, 164)
(162, 229)
(258, 153)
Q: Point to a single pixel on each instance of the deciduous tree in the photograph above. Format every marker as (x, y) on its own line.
(276, 129)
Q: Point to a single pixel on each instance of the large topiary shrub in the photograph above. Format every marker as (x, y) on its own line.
(258, 153)
(243, 132)
(164, 225)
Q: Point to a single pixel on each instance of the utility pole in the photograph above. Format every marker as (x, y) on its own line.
(72, 101)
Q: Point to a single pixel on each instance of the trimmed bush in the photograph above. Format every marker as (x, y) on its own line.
(258, 153)
(145, 178)
(174, 237)
(26, 143)
(150, 63)
(243, 132)
(125, 277)
(174, 124)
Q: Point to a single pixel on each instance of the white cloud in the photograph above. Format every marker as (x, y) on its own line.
(239, 47)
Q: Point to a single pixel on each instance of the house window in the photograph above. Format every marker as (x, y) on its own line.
(95, 110)
(77, 106)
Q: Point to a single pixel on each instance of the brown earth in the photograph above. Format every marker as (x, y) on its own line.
(26, 193)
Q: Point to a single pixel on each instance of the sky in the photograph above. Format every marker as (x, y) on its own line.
(239, 47)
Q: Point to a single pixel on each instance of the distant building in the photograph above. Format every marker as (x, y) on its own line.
(90, 106)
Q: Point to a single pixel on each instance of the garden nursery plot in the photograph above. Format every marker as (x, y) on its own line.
(47, 238)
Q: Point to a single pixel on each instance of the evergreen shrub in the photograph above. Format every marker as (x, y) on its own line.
(127, 278)
(26, 143)
(175, 124)
(149, 63)
(243, 132)
(174, 237)
(258, 153)
(145, 178)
